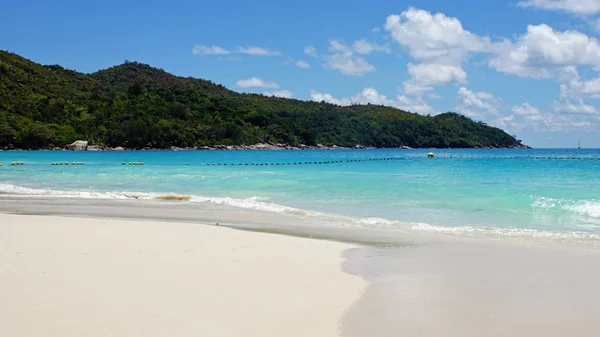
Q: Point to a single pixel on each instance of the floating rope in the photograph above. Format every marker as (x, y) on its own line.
(343, 161)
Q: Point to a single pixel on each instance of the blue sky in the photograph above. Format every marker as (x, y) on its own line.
(531, 67)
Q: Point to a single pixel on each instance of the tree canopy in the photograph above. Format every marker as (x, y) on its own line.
(135, 105)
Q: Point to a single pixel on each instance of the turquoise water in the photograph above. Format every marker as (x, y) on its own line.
(503, 191)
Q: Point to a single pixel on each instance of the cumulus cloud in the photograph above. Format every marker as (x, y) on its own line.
(372, 96)
(477, 104)
(440, 45)
(302, 64)
(414, 104)
(560, 123)
(574, 106)
(425, 76)
(429, 36)
(209, 50)
(579, 7)
(345, 61)
(525, 109)
(255, 82)
(279, 93)
(572, 85)
(542, 52)
(440, 42)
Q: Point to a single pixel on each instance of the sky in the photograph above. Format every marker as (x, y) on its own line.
(530, 67)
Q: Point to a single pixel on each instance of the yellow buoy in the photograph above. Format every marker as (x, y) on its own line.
(430, 155)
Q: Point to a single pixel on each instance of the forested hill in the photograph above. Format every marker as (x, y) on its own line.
(135, 106)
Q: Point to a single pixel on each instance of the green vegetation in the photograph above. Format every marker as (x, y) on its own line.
(136, 106)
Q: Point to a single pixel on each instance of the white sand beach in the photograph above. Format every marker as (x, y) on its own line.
(64, 276)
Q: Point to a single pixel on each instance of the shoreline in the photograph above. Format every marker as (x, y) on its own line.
(415, 278)
(260, 147)
(295, 222)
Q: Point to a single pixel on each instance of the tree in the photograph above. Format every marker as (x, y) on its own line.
(7, 135)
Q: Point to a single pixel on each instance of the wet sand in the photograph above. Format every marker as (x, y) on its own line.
(474, 289)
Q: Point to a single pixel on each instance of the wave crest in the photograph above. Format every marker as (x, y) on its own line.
(589, 208)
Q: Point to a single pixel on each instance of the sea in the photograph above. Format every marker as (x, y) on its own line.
(535, 193)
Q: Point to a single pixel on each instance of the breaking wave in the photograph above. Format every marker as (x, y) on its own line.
(589, 208)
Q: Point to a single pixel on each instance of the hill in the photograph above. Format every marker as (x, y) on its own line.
(135, 106)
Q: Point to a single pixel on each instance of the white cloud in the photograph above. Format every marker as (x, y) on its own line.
(477, 104)
(212, 50)
(572, 85)
(525, 109)
(579, 7)
(542, 52)
(415, 104)
(507, 122)
(344, 60)
(250, 50)
(433, 36)
(365, 47)
(302, 64)
(279, 93)
(311, 51)
(425, 76)
(440, 42)
(371, 95)
(257, 51)
(560, 123)
(574, 106)
(367, 95)
(255, 82)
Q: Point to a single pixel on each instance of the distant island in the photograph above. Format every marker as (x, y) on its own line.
(136, 106)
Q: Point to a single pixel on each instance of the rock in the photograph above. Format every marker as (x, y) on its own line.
(57, 149)
(78, 145)
(175, 148)
(94, 148)
(118, 148)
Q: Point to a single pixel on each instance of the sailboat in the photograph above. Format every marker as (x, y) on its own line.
(579, 145)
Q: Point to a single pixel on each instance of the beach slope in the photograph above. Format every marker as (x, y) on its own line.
(62, 276)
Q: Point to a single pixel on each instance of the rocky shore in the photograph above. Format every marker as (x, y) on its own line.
(82, 145)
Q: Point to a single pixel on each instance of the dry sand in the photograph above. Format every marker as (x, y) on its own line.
(65, 277)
